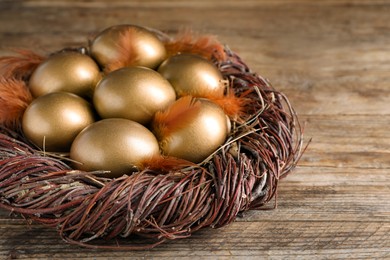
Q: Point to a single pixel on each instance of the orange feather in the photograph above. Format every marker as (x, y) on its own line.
(176, 116)
(232, 105)
(14, 99)
(206, 46)
(126, 49)
(165, 163)
(21, 66)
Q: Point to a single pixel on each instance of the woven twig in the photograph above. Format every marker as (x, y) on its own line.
(242, 175)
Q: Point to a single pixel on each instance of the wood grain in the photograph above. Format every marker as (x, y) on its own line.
(331, 58)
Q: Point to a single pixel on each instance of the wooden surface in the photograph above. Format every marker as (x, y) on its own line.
(332, 59)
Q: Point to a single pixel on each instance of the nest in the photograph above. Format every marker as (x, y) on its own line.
(92, 211)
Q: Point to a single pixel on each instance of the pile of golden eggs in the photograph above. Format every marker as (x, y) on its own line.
(118, 120)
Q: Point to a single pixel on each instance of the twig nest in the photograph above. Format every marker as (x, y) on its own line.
(198, 161)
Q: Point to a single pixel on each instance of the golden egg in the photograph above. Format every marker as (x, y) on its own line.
(191, 129)
(115, 144)
(133, 44)
(192, 75)
(53, 121)
(134, 93)
(68, 72)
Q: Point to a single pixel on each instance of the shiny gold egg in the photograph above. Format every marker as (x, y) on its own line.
(134, 93)
(116, 145)
(191, 129)
(52, 121)
(192, 75)
(67, 72)
(135, 45)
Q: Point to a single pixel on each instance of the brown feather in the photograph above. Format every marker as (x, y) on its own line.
(178, 115)
(206, 46)
(20, 66)
(14, 99)
(126, 49)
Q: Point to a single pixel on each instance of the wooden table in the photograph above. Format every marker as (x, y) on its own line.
(331, 58)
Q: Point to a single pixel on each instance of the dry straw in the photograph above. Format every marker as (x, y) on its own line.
(149, 207)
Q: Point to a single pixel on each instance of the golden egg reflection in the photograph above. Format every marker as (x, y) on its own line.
(193, 134)
(53, 121)
(116, 145)
(192, 75)
(67, 72)
(141, 46)
(134, 93)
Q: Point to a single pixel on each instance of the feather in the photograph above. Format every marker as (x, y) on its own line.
(232, 105)
(14, 99)
(206, 46)
(21, 66)
(126, 48)
(165, 163)
(176, 116)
